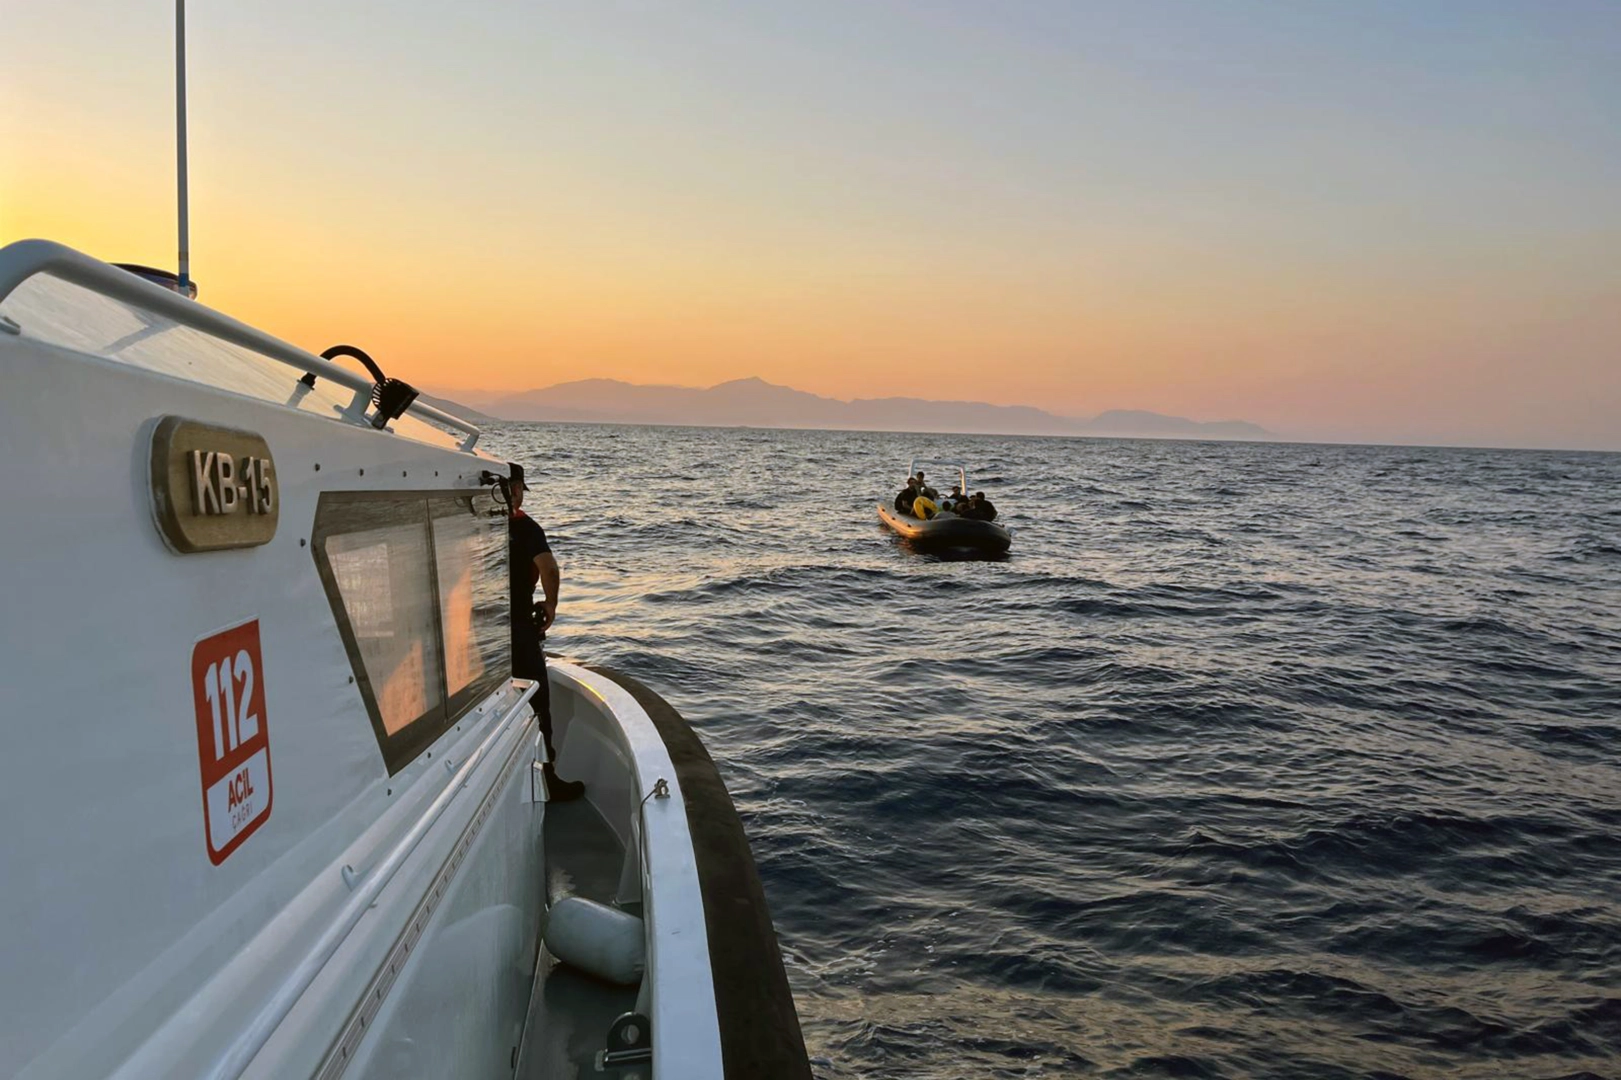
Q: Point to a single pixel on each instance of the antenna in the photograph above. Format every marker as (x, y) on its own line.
(180, 140)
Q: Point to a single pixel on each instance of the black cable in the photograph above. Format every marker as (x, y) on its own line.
(503, 487)
(359, 354)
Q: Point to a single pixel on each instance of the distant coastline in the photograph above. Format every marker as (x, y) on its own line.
(757, 403)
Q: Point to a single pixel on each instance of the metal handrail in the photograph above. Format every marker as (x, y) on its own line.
(22, 260)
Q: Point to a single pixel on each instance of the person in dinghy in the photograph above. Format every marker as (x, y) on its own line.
(908, 495)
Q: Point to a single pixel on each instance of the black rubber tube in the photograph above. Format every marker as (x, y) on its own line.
(359, 354)
(759, 1029)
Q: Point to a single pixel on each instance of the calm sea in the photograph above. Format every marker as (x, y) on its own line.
(1250, 761)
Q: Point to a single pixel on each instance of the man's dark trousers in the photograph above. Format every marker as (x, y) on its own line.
(529, 662)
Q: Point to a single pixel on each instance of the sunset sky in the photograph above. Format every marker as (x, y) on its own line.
(1384, 221)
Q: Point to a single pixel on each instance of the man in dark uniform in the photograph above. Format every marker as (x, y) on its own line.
(531, 561)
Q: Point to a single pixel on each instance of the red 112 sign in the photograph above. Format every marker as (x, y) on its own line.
(233, 741)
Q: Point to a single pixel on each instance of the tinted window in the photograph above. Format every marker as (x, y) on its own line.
(470, 550)
(417, 586)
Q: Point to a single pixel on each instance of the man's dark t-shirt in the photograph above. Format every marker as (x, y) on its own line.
(527, 540)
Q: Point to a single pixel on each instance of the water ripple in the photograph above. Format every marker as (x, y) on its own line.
(1251, 760)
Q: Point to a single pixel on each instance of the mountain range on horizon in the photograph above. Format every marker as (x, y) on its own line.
(753, 402)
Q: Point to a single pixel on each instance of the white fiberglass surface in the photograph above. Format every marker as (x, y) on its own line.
(60, 313)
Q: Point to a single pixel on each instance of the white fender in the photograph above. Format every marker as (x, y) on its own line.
(598, 939)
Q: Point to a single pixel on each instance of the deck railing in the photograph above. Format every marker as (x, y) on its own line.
(25, 258)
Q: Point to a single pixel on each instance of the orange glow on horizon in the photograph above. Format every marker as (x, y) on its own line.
(466, 252)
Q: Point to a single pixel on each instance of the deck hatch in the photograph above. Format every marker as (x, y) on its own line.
(417, 584)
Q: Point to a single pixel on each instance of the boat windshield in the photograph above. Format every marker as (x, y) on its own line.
(962, 473)
(61, 313)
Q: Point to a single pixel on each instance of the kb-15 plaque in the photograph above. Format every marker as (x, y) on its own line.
(212, 487)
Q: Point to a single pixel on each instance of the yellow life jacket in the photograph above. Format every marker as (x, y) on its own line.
(923, 507)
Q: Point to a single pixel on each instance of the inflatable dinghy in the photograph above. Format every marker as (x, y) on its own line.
(930, 528)
(947, 531)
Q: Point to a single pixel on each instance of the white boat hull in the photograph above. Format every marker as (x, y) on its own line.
(344, 897)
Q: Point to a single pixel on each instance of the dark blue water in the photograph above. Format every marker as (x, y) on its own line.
(1250, 761)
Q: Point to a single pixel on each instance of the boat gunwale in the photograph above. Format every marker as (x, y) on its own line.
(957, 531)
(684, 1018)
(759, 1026)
